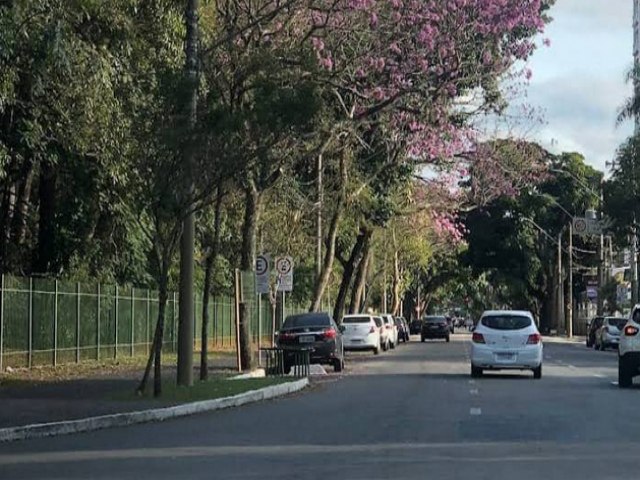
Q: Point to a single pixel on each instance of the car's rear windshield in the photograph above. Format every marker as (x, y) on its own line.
(307, 320)
(378, 321)
(618, 322)
(356, 319)
(435, 319)
(506, 322)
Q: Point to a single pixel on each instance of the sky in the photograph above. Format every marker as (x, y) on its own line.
(579, 82)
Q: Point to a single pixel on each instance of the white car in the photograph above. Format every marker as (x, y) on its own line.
(385, 335)
(361, 332)
(608, 335)
(629, 350)
(392, 329)
(506, 340)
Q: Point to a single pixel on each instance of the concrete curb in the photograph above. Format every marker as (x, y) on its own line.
(258, 373)
(143, 416)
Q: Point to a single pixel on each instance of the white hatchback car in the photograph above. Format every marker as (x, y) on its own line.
(361, 332)
(629, 350)
(392, 329)
(506, 340)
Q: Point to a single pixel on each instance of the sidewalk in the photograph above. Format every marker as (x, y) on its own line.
(28, 398)
(576, 339)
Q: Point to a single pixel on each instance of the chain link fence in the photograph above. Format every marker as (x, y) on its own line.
(54, 322)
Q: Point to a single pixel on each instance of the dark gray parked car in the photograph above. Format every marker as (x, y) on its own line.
(316, 331)
(435, 327)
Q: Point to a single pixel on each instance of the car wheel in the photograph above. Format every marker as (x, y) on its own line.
(595, 345)
(625, 379)
(537, 372)
(422, 339)
(476, 372)
(376, 350)
(588, 344)
(447, 338)
(392, 345)
(385, 346)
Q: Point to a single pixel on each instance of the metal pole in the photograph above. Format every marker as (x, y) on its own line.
(115, 336)
(30, 321)
(55, 323)
(133, 323)
(77, 322)
(98, 326)
(570, 289)
(173, 330)
(1, 320)
(284, 312)
(259, 329)
(237, 317)
(559, 306)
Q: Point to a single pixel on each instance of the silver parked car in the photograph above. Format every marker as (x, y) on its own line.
(608, 335)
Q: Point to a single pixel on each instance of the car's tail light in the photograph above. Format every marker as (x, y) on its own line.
(477, 338)
(630, 331)
(330, 333)
(388, 327)
(372, 330)
(534, 339)
(286, 336)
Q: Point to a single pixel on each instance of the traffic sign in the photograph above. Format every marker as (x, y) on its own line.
(284, 269)
(262, 273)
(580, 226)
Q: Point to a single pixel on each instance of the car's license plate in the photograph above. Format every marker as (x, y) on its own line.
(307, 339)
(356, 340)
(505, 356)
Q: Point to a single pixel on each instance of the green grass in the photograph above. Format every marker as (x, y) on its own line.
(217, 387)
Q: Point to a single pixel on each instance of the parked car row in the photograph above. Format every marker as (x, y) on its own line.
(327, 341)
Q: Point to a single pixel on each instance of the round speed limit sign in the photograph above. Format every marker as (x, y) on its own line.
(580, 226)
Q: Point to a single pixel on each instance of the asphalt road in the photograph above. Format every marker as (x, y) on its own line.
(413, 413)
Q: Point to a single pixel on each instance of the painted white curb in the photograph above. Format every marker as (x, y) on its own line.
(143, 416)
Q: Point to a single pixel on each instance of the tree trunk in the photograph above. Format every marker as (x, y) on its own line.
(247, 264)
(361, 277)
(206, 291)
(22, 204)
(395, 309)
(155, 355)
(347, 275)
(187, 245)
(323, 278)
(46, 228)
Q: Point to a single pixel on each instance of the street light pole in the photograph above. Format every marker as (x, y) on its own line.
(570, 287)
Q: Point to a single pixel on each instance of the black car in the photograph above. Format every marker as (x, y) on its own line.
(415, 327)
(435, 327)
(403, 329)
(592, 327)
(316, 331)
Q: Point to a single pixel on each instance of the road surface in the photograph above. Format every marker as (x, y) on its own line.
(412, 413)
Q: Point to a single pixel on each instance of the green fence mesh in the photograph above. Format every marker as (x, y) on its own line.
(48, 322)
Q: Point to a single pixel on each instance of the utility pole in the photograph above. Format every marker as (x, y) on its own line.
(187, 242)
(570, 287)
(634, 263)
(559, 306)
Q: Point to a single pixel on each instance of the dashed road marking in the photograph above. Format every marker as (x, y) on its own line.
(615, 384)
(597, 375)
(473, 391)
(475, 411)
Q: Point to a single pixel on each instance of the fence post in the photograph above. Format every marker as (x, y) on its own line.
(133, 323)
(55, 323)
(98, 326)
(1, 320)
(215, 323)
(148, 318)
(77, 322)
(115, 336)
(30, 322)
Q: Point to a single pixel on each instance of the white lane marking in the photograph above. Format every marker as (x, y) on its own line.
(597, 375)
(473, 391)
(472, 382)
(475, 411)
(615, 384)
